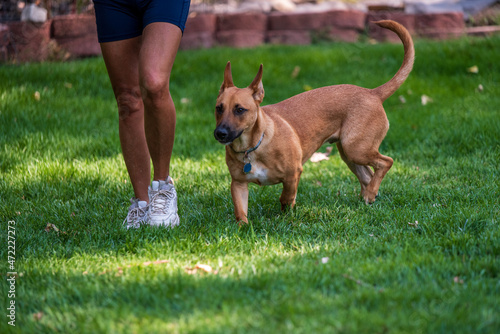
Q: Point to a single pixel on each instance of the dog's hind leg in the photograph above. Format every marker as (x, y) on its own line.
(361, 152)
(381, 165)
(363, 173)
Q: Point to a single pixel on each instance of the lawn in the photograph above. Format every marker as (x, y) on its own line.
(425, 258)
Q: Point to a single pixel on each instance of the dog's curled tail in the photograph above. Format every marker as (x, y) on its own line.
(392, 85)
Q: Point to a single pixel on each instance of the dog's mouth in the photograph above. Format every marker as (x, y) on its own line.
(225, 136)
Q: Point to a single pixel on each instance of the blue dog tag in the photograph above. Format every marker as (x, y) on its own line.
(247, 168)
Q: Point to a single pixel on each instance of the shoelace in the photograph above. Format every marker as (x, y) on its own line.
(135, 213)
(138, 212)
(161, 200)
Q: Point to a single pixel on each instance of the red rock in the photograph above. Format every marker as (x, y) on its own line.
(381, 34)
(343, 35)
(293, 37)
(197, 40)
(240, 38)
(201, 23)
(440, 25)
(76, 34)
(482, 31)
(73, 25)
(345, 19)
(83, 46)
(28, 41)
(296, 21)
(4, 34)
(4, 54)
(199, 32)
(242, 21)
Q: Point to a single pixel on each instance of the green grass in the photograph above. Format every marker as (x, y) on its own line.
(333, 265)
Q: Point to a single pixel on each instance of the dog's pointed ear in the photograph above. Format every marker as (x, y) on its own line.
(257, 87)
(228, 78)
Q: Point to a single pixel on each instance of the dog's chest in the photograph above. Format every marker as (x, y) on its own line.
(259, 174)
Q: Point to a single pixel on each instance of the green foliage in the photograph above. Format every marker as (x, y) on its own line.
(424, 258)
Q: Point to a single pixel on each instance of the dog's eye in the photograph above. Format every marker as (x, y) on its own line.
(219, 109)
(239, 110)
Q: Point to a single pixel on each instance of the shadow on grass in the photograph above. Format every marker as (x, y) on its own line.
(314, 286)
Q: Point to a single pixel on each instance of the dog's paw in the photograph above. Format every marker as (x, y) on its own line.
(287, 206)
(369, 198)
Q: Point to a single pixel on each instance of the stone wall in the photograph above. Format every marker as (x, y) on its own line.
(75, 35)
(251, 29)
(60, 38)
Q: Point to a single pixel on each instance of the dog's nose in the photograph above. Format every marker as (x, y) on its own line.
(221, 134)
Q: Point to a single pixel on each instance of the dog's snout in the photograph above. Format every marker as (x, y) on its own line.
(221, 134)
(225, 134)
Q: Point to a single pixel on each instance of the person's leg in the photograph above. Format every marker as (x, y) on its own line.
(122, 62)
(160, 42)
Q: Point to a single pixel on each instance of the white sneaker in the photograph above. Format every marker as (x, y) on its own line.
(137, 214)
(163, 204)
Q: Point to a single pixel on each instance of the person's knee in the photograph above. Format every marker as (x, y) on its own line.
(154, 86)
(129, 101)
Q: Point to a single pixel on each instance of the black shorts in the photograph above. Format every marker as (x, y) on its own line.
(123, 19)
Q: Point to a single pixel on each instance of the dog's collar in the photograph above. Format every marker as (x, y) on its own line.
(247, 167)
(250, 149)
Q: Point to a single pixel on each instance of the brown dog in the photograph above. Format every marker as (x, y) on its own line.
(268, 145)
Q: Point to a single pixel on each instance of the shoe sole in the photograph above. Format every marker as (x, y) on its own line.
(136, 225)
(164, 222)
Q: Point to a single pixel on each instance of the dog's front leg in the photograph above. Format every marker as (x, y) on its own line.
(289, 192)
(239, 193)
